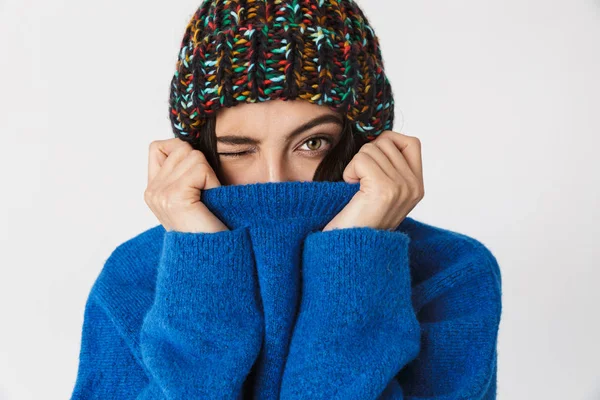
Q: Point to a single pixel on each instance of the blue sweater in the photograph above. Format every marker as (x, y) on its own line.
(275, 308)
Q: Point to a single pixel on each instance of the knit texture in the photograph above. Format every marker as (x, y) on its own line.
(322, 51)
(275, 308)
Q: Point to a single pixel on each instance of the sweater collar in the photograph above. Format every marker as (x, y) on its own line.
(267, 202)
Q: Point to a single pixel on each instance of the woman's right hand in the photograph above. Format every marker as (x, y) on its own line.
(176, 175)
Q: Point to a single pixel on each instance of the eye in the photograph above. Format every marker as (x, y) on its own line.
(315, 144)
(234, 155)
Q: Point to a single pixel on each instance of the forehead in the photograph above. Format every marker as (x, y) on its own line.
(266, 115)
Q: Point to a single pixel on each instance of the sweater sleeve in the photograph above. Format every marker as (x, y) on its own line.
(355, 326)
(107, 367)
(204, 330)
(358, 334)
(200, 336)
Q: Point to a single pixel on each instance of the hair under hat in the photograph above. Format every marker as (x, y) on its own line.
(322, 51)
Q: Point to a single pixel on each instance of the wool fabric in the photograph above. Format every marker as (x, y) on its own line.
(322, 51)
(276, 308)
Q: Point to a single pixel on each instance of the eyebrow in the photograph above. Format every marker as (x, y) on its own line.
(323, 119)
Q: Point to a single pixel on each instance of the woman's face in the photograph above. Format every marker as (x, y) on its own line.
(274, 140)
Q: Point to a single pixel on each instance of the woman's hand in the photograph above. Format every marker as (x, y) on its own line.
(176, 175)
(390, 173)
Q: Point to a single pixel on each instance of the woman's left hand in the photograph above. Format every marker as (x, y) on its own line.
(390, 174)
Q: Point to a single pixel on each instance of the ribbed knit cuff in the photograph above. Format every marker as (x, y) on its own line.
(355, 270)
(210, 273)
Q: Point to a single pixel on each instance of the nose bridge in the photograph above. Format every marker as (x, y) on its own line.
(274, 166)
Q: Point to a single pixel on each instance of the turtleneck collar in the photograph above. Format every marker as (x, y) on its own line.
(265, 202)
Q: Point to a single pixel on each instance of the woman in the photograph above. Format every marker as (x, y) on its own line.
(285, 265)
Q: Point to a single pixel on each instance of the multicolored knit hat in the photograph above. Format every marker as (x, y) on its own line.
(323, 51)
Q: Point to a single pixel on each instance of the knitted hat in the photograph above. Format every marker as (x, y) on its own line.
(323, 51)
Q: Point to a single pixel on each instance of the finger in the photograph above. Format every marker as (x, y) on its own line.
(211, 180)
(158, 153)
(410, 147)
(363, 166)
(155, 160)
(190, 161)
(199, 176)
(393, 153)
(174, 156)
(382, 160)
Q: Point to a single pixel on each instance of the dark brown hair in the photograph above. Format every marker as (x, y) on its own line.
(331, 167)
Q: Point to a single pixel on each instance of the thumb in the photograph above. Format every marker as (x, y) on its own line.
(350, 174)
(211, 180)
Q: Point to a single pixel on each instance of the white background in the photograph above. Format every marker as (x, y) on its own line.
(505, 96)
